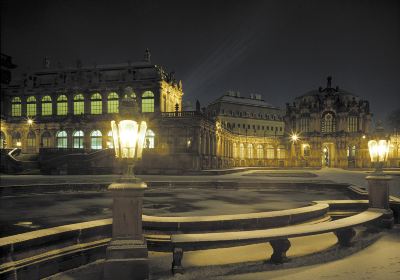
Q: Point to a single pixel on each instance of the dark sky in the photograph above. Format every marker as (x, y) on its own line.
(279, 49)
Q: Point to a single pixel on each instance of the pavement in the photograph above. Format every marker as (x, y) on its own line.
(323, 175)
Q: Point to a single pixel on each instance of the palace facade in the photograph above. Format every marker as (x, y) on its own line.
(61, 118)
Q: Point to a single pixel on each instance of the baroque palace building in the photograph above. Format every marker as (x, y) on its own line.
(60, 117)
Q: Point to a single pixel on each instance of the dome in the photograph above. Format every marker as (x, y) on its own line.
(328, 90)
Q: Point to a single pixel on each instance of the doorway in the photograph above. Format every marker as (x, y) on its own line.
(325, 156)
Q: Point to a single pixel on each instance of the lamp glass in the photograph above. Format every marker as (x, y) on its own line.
(128, 138)
(378, 150)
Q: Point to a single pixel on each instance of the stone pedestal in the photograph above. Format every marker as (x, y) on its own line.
(127, 255)
(378, 191)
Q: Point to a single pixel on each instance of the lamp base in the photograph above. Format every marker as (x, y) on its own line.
(126, 259)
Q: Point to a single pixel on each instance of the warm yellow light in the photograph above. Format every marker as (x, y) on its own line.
(294, 137)
(141, 136)
(378, 150)
(325, 150)
(19, 144)
(363, 137)
(128, 138)
(30, 121)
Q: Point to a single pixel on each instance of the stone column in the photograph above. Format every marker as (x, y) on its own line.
(127, 255)
(378, 191)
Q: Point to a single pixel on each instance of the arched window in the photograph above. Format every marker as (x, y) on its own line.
(62, 105)
(234, 152)
(147, 102)
(110, 140)
(46, 138)
(2, 140)
(260, 152)
(77, 139)
(47, 106)
(112, 103)
(79, 104)
(95, 104)
(61, 139)
(328, 124)
(95, 140)
(31, 141)
(16, 107)
(16, 139)
(270, 152)
(149, 139)
(250, 151)
(281, 152)
(31, 106)
(241, 151)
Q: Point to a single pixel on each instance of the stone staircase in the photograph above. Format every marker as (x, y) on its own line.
(17, 162)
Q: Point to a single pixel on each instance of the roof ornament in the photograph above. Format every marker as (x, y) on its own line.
(329, 82)
(147, 55)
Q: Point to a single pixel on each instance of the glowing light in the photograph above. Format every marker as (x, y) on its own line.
(128, 138)
(363, 137)
(378, 150)
(19, 144)
(30, 121)
(294, 137)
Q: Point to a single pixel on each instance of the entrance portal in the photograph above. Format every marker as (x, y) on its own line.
(325, 156)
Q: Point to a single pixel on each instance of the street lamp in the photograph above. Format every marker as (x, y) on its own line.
(378, 182)
(128, 137)
(378, 151)
(127, 254)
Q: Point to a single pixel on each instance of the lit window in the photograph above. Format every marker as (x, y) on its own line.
(62, 140)
(79, 104)
(110, 140)
(16, 107)
(16, 139)
(147, 102)
(250, 151)
(281, 152)
(77, 139)
(328, 124)
(260, 152)
(31, 140)
(270, 152)
(112, 103)
(304, 124)
(352, 124)
(149, 140)
(46, 138)
(95, 104)
(241, 151)
(62, 105)
(47, 106)
(95, 140)
(31, 106)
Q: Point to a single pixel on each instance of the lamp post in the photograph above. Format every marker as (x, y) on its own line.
(127, 255)
(294, 137)
(378, 182)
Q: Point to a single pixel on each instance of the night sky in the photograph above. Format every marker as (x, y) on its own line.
(280, 49)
